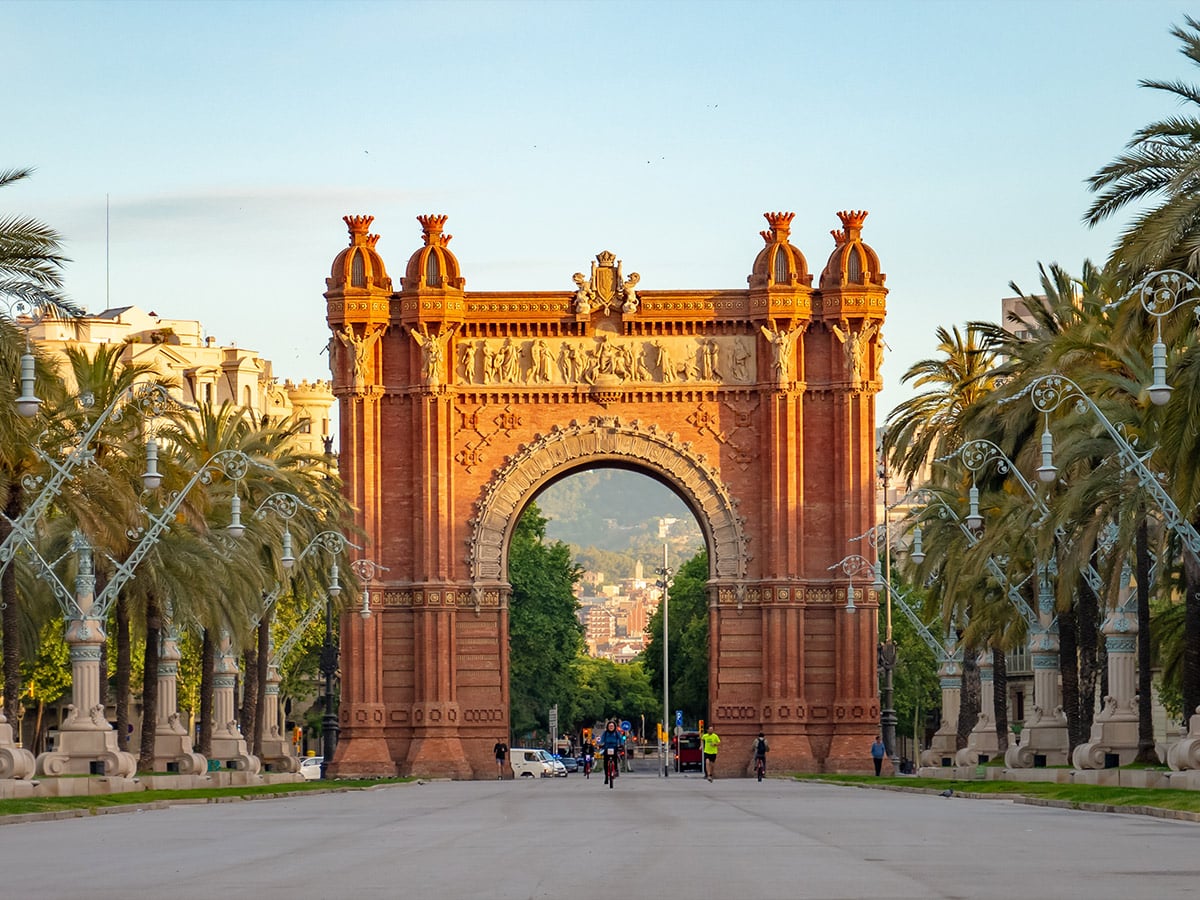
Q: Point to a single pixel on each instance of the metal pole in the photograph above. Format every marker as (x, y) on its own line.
(666, 669)
(887, 652)
(329, 724)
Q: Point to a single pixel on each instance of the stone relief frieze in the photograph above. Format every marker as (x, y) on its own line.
(607, 437)
(720, 360)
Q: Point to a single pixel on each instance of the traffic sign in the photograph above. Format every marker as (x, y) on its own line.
(625, 726)
(679, 717)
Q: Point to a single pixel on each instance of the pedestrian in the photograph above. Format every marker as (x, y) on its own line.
(760, 755)
(711, 742)
(878, 751)
(501, 750)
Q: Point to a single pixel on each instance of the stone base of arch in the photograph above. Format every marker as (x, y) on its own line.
(368, 754)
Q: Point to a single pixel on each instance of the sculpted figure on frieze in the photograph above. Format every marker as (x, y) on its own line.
(583, 294)
(629, 293)
(781, 352)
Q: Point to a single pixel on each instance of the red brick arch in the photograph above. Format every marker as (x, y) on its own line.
(755, 405)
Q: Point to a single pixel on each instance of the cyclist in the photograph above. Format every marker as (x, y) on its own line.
(711, 742)
(760, 756)
(609, 747)
(589, 751)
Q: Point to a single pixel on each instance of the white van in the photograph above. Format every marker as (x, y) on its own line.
(530, 763)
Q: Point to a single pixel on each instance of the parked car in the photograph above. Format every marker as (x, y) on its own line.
(557, 769)
(310, 767)
(688, 754)
(528, 762)
(569, 762)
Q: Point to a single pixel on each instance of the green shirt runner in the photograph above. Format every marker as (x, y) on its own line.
(711, 741)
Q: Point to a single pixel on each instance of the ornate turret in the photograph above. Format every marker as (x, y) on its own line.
(780, 283)
(359, 266)
(852, 284)
(432, 287)
(852, 262)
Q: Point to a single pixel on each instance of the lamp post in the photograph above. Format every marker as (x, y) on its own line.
(1049, 392)
(1160, 295)
(664, 583)
(151, 400)
(87, 740)
(329, 664)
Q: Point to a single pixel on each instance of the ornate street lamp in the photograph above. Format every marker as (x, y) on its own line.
(1049, 392)
(1161, 293)
(664, 584)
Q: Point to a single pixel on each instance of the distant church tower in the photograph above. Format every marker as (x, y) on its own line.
(637, 571)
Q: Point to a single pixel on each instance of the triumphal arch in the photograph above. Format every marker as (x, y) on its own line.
(756, 405)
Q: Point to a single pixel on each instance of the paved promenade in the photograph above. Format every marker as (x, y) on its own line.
(573, 838)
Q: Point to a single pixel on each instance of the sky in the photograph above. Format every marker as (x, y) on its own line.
(227, 140)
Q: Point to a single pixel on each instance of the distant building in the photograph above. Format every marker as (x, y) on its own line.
(205, 371)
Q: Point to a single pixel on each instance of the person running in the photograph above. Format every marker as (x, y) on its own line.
(760, 756)
(711, 742)
(501, 750)
(609, 747)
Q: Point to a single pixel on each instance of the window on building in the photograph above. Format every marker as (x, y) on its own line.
(358, 270)
(854, 267)
(433, 271)
(247, 397)
(306, 425)
(781, 266)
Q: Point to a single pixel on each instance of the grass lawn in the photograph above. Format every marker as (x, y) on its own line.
(1188, 801)
(141, 798)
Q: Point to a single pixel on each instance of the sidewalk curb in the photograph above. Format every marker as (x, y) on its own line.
(85, 812)
(1156, 812)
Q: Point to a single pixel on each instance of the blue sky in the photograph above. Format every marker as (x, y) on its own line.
(232, 137)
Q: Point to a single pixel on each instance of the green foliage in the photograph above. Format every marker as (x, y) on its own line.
(687, 640)
(915, 687)
(608, 690)
(545, 635)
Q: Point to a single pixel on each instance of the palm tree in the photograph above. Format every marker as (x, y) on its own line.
(1161, 165)
(30, 276)
(930, 424)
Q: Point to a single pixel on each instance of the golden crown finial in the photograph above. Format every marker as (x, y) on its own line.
(358, 225)
(431, 228)
(853, 220)
(781, 225)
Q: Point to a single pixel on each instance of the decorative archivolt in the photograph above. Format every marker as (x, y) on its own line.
(604, 438)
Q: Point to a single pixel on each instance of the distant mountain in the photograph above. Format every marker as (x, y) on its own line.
(611, 519)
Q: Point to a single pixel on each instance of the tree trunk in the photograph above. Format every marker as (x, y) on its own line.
(1145, 752)
(208, 662)
(1088, 622)
(968, 710)
(9, 618)
(1000, 704)
(1191, 635)
(1068, 666)
(150, 685)
(264, 659)
(249, 717)
(124, 671)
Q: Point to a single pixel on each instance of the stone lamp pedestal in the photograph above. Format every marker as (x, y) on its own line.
(173, 751)
(278, 755)
(228, 744)
(87, 744)
(943, 747)
(15, 761)
(1044, 738)
(983, 743)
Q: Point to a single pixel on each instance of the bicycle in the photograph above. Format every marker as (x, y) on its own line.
(587, 766)
(610, 767)
(760, 767)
